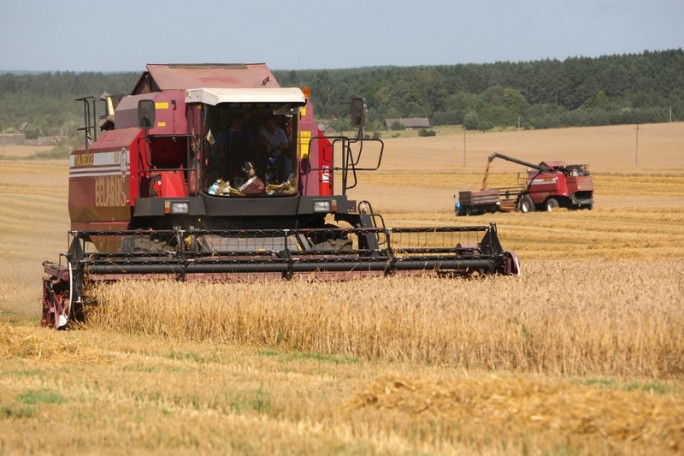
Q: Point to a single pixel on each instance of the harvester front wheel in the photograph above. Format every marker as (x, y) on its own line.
(56, 303)
(142, 244)
(334, 239)
(526, 204)
(552, 204)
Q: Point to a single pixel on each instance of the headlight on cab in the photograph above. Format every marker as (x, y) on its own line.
(180, 207)
(322, 206)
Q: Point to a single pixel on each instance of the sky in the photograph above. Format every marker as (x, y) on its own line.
(125, 35)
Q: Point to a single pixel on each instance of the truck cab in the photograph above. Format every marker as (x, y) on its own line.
(559, 185)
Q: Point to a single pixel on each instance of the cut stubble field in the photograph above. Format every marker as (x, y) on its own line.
(583, 354)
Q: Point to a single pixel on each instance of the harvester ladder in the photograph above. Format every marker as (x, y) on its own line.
(89, 127)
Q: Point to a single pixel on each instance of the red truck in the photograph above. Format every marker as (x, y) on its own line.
(548, 185)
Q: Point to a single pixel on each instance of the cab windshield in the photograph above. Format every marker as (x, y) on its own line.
(251, 151)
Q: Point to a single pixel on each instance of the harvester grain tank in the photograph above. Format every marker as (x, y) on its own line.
(183, 182)
(547, 186)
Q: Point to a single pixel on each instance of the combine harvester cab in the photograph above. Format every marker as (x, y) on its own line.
(185, 182)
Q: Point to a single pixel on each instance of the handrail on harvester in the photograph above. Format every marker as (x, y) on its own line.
(350, 159)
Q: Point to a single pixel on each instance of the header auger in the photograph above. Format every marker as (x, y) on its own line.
(214, 172)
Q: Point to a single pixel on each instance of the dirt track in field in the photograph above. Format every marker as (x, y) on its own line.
(606, 149)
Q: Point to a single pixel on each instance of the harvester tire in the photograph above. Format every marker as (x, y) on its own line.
(526, 204)
(552, 204)
(141, 244)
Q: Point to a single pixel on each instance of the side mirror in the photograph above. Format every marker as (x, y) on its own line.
(357, 112)
(146, 114)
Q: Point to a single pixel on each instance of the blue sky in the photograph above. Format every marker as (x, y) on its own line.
(124, 35)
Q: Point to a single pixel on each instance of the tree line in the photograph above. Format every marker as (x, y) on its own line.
(578, 91)
(44, 104)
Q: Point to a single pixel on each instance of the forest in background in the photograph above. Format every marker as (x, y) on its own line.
(578, 91)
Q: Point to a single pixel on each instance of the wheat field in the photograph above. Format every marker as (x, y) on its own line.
(582, 354)
(575, 326)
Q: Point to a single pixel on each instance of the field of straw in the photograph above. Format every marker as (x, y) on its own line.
(582, 354)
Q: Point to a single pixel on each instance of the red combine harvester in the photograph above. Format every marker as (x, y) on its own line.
(548, 185)
(214, 172)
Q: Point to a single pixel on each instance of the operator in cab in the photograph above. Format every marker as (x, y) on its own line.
(274, 138)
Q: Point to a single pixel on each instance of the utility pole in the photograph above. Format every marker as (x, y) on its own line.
(636, 150)
(464, 145)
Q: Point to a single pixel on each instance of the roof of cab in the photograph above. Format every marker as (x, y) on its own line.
(276, 95)
(161, 77)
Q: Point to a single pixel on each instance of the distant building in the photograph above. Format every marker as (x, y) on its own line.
(12, 139)
(409, 122)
